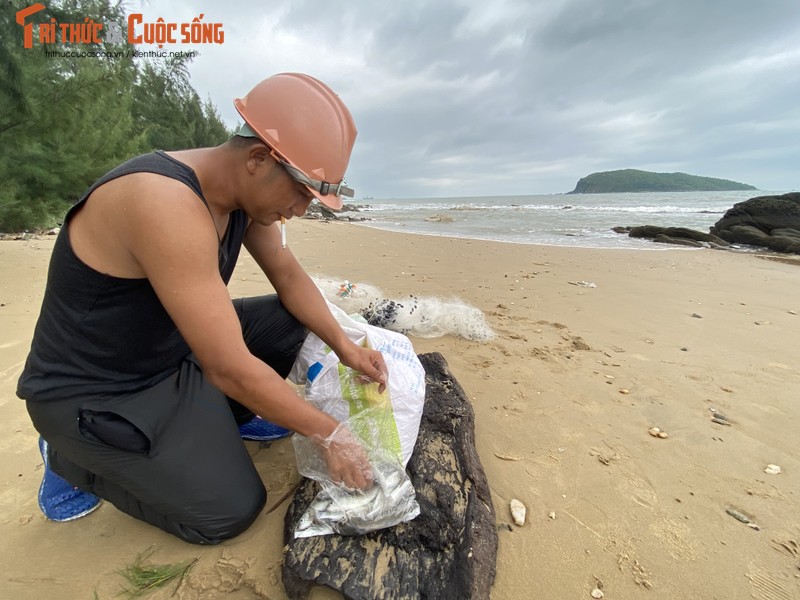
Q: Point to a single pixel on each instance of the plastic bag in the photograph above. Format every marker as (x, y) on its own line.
(385, 424)
(338, 509)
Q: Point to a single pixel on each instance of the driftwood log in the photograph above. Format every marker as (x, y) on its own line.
(448, 551)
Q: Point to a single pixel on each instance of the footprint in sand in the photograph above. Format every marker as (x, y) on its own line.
(640, 490)
(676, 538)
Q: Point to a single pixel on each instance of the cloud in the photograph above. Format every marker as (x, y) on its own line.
(458, 97)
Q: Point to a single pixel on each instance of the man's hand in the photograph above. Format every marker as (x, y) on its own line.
(346, 459)
(367, 362)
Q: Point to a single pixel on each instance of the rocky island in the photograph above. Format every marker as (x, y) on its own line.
(633, 180)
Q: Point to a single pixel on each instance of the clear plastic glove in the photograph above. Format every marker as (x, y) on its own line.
(355, 496)
(346, 459)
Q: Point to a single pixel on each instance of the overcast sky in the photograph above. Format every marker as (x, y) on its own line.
(486, 97)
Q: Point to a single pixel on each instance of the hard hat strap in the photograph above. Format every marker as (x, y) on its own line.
(323, 187)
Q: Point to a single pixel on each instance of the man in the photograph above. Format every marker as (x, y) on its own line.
(143, 375)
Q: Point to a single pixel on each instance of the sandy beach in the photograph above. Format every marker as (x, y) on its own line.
(564, 397)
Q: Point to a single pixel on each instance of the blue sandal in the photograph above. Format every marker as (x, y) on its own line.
(262, 431)
(59, 500)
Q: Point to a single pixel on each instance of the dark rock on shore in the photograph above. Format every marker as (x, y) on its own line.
(680, 236)
(676, 235)
(319, 212)
(767, 221)
(771, 222)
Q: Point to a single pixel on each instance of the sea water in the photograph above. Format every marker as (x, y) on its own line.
(583, 220)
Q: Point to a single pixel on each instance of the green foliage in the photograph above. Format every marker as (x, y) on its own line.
(64, 121)
(169, 111)
(632, 180)
(143, 578)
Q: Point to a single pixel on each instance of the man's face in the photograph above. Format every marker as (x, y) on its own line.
(297, 196)
(277, 194)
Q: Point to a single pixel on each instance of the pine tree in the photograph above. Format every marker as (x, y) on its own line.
(65, 121)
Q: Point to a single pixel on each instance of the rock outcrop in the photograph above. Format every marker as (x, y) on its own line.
(319, 212)
(677, 235)
(771, 222)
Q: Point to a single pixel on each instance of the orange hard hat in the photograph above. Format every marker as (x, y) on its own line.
(308, 126)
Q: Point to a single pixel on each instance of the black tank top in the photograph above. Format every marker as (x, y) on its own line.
(99, 335)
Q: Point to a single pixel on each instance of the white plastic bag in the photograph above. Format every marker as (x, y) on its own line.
(386, 424)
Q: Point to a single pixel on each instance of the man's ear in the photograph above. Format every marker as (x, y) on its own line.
(257, 154)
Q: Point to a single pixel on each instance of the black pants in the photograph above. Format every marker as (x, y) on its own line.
(171, 455)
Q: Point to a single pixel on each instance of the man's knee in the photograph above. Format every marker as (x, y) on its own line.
(230, 516)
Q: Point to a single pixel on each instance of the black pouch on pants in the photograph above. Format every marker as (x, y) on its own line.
(112, 429)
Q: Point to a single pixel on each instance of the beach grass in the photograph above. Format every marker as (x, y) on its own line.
(144, 577)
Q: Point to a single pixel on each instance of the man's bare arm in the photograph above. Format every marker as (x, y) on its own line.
(176, 244)
(302, 298)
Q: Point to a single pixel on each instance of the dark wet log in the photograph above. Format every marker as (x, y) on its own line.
(448, 552)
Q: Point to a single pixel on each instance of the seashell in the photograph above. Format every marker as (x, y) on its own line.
(552, 514)
(624, 391)
(663, 435)
(518, 512)
(772, 470)
(597, 593)
(654, 431)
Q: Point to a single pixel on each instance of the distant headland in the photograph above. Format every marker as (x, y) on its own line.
(633, 180)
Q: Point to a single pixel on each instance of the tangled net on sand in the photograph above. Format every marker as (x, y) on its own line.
(410, 315)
